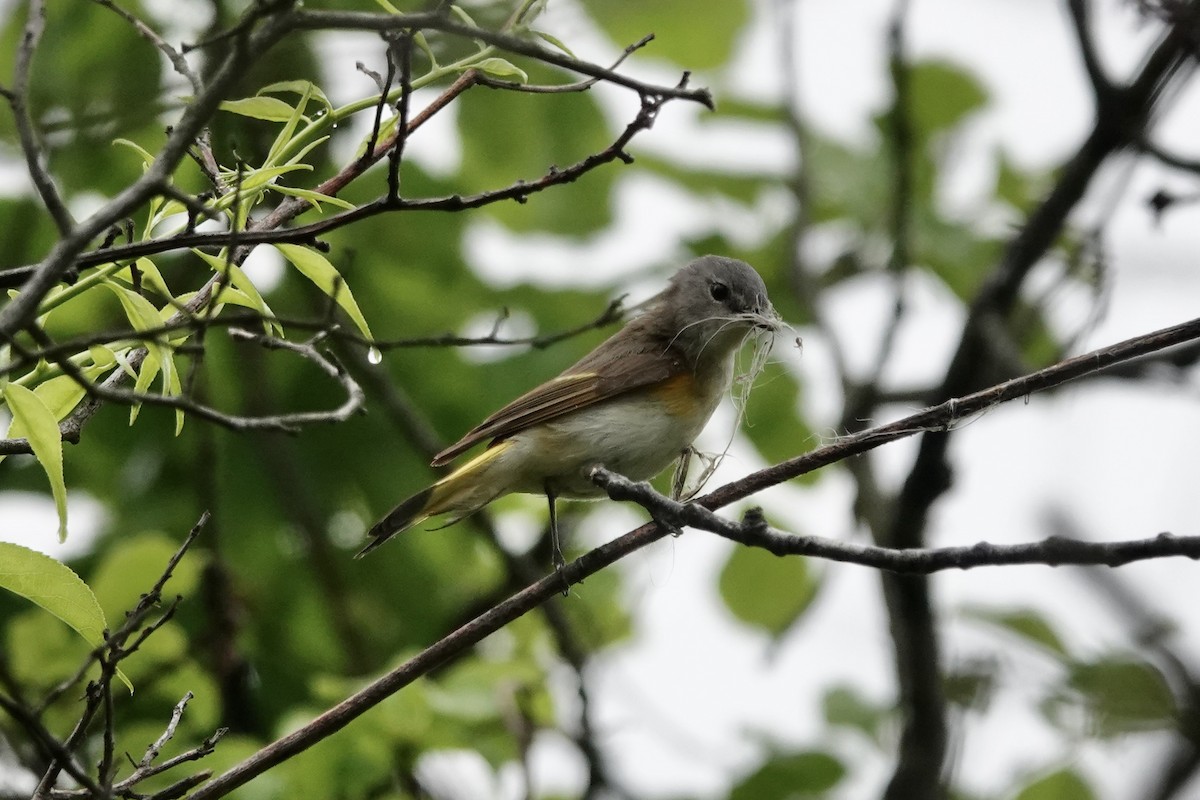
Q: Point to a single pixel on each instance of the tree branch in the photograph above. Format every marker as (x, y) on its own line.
(942, 416)
(1053, 551)
(31, 147)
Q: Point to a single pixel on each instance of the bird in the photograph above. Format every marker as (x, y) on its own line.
(632, 405)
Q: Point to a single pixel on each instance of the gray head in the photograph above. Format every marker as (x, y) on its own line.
(713, 303)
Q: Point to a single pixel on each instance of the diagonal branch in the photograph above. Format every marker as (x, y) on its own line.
(943, 416)
(31, 147)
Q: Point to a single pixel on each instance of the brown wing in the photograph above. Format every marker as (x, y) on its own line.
(631, 359)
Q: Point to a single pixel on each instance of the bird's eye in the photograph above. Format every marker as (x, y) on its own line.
(719, 292)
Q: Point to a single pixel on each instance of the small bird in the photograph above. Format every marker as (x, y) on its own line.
(632, 405)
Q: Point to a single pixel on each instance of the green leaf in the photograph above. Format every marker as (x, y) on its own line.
(316, 198)
(141, 312)
(151, 366)
(846, 707)
(1124, 695)
(253, 180)
(1064, 784)
(695, 34)
(60, 395)
(128, 567)
(289, 127)
(500, 68)
(300, 87)
(767, 591)
(40, 427)
(970, 686)
(553, 40)
(55, 587)
(740, 186)
(774, 406)
(159, 357)
(1025, 623)
(792, 777)
(147, 158)
(847, 183)
(510, 137)
(271, 109)
(942, 96)
(240, 281)
(321, 272)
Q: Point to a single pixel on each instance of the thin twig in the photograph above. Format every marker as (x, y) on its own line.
(178, 62)
(400, 51)
(1053, 551)
(354, 20)
(31, 147)
(564, 88)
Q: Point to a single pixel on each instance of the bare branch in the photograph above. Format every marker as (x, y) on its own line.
(178, 62)
(354, 20)
(400, 51)
(1081, 26)
(31, 147)
(753, 530)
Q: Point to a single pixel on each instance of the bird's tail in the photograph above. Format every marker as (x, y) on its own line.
(463, 492)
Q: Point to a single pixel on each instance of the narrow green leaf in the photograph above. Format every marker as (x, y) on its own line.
(289, 127)
(147, 158)
(500, 68)
(316, 198)
(240, 281)
(300, 87)
(462, 15)
(41, 429)
(321, 272)
(151, 365)
(253, 180)
(271, 109)
(159, 357)
(422, 43)
(299, 156)
(555, 41)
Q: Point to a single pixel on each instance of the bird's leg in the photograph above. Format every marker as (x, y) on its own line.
(709, 463)
(679, 479)
(556, 555)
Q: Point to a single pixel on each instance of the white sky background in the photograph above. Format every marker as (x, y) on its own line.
(695, 699)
